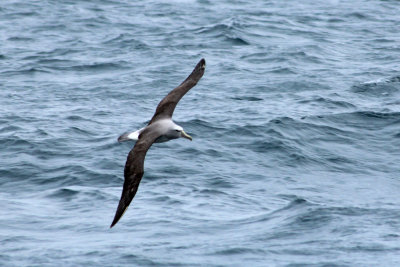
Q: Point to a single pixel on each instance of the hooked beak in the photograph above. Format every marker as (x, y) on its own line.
(185, 135)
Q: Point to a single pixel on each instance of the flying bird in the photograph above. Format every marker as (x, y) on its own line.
(160, 129)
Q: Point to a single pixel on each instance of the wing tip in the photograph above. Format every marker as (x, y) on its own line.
(126, 199)
(115, 221)
(118, 216)
(197, 72)
(202, 63)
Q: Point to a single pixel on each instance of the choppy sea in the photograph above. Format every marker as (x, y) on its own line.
(295, 159)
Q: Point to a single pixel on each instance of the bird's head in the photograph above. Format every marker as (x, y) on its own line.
(179, 132)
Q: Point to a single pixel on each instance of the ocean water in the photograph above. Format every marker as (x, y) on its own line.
(296, 127)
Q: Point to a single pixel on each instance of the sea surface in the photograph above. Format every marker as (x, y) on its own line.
(295, 159)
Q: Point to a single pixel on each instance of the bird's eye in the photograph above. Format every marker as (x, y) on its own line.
(177, 131)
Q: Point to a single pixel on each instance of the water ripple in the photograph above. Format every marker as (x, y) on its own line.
(296, 126)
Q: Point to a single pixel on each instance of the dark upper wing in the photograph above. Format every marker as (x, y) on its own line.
(166, 107)
(134, 171)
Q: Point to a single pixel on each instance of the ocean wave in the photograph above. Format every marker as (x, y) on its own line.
(126, 40)
(100, 66)
(361, 120)
(230, 31)
(329, 103)
(381, 87)
(295, 153)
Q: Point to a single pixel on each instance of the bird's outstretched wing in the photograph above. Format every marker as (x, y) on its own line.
(134, 171)
(166, 107)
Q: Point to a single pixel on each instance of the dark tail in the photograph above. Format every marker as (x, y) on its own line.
(123, 137)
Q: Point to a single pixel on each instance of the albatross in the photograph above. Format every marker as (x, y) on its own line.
(160, 129)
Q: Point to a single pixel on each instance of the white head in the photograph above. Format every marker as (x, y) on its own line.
(176, 132)
(169, 130)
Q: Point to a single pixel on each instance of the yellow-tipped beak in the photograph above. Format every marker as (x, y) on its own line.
(185, 135)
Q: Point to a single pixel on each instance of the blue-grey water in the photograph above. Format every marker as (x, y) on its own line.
(296, 127)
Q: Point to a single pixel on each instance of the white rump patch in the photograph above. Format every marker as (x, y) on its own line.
(130, 136)
(134, 135)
